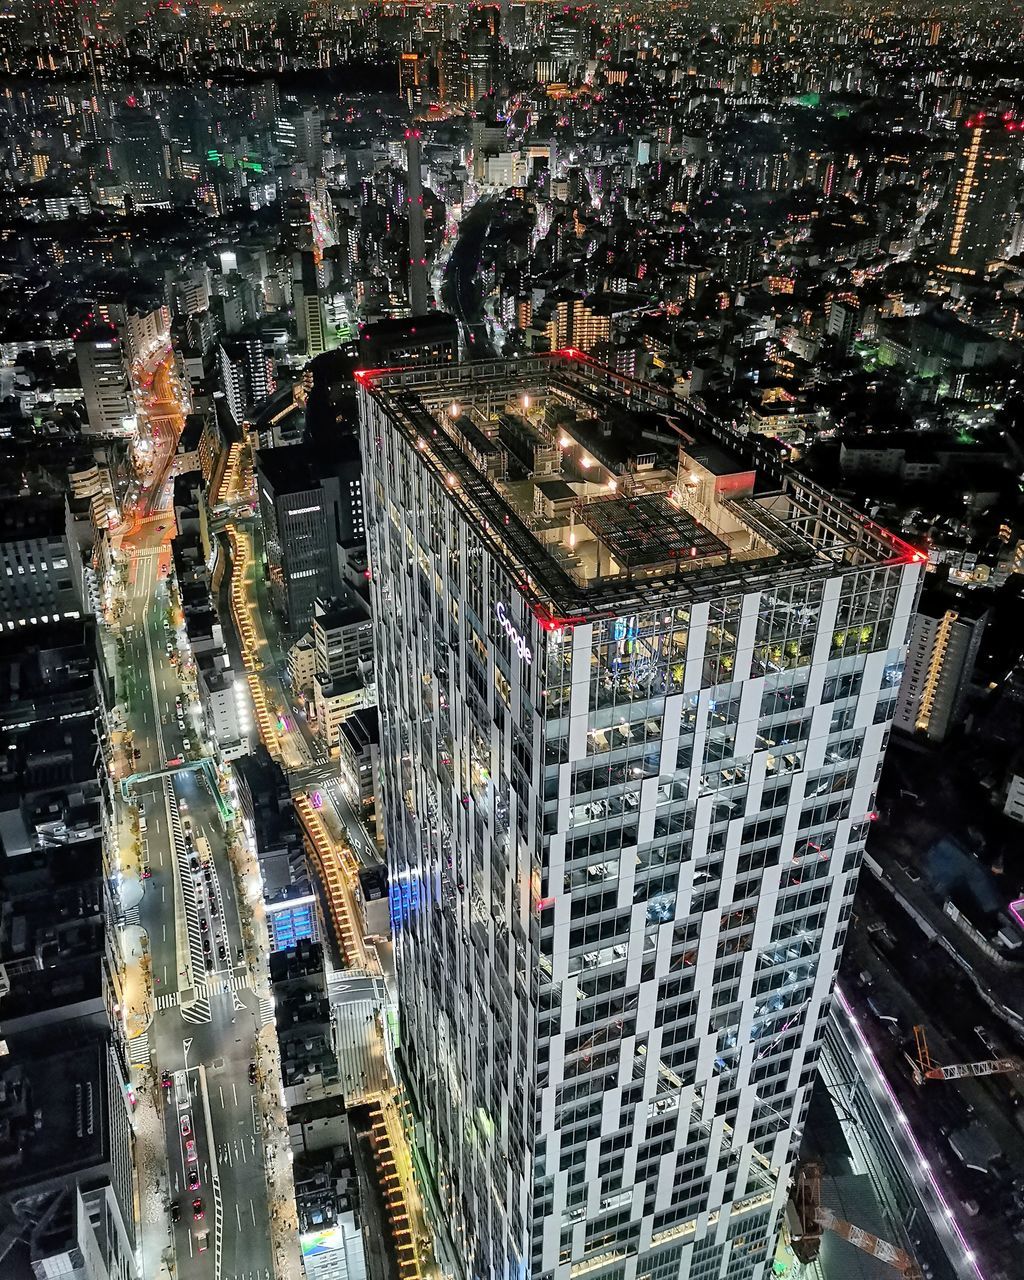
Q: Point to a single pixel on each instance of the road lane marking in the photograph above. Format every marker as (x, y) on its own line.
(234, 1092)
(221, 1092)
(252, 1210)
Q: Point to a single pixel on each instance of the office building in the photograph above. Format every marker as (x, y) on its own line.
(342, 636)
(633, 704)
(247, 375)
(483, 62)
(422, 339)
(982, 194)
(945, 639)
(310, 311)
(224, 702)
(309, 511)
(40, 563)
(109, 401)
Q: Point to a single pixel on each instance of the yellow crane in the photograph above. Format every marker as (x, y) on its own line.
(813, 1219)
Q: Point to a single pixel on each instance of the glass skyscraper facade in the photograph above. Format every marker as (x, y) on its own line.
(636, 685)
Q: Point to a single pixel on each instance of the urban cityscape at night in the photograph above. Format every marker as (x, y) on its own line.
(511, 641)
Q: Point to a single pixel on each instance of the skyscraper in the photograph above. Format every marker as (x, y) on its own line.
(985, 185)
(418, 287)
(635, 685)
(109, 402)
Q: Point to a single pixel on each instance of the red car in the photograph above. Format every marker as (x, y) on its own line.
(197, 1208)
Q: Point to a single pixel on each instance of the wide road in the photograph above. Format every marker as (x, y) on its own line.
(206, 1012)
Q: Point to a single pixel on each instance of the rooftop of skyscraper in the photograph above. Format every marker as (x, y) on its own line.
(597, 490)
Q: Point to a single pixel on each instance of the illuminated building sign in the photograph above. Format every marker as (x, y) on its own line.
(518, 641)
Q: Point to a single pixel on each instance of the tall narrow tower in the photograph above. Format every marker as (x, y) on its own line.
(982, 194)
(633, 707)
(418, 289)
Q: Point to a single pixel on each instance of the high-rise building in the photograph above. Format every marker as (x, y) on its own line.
(943, 647)
(310, 312)
(985, 185)
(483, 50)
(247, 375)
(103, 373)
(41, 579)
(310, 508)
(419, 291)
(635, 686)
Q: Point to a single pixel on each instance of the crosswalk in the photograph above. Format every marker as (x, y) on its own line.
(167, 1000)
(188, 887)
(266, 1010)
(131, 916)
(138, 1049)
(197, 1011)
(361, 1063)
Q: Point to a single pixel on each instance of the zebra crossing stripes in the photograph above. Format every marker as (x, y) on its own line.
(167, 1000)
(360, 1062)
(131, 916)
(138, 1049)
(266, 1010)
(188, 887)
(198, 1011)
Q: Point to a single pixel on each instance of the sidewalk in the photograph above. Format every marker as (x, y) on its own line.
(156, 1249)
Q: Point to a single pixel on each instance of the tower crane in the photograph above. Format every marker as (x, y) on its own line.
(926, 1069)
(814, 1219)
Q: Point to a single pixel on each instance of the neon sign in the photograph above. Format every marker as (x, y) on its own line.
(518, 640)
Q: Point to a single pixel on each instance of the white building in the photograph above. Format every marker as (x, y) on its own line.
(945, 638)
(109, 401)
(225, 703)
(628, 751)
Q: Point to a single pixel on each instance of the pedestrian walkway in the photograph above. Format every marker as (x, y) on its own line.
(168, 1000)
(155, 1247)
(138, 1049)
(266, 1011)
(364, 1073)
(218, 983)
(197, 1011)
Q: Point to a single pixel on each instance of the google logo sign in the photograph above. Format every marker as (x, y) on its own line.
(518, 641)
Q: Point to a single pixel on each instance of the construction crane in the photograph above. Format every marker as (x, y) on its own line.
(926, 1069)
(813, 1219)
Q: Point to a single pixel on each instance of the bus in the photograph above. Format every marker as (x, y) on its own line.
(182, 1096)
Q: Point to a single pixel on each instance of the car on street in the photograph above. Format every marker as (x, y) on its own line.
(204, 924)
(193, 1178)
(252, 1072)
(206, 945)
(165, 1079)
(203, 1241)
(193, 862)
(214, 909)
(175, 1211)
(186, 1125)
(173, 762)
(190, 1151)
(221, 952)
(185, 743)
(209, 963)
(198, 1211)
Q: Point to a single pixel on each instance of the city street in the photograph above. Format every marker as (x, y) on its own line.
(206, 1014)
(196, 1023)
